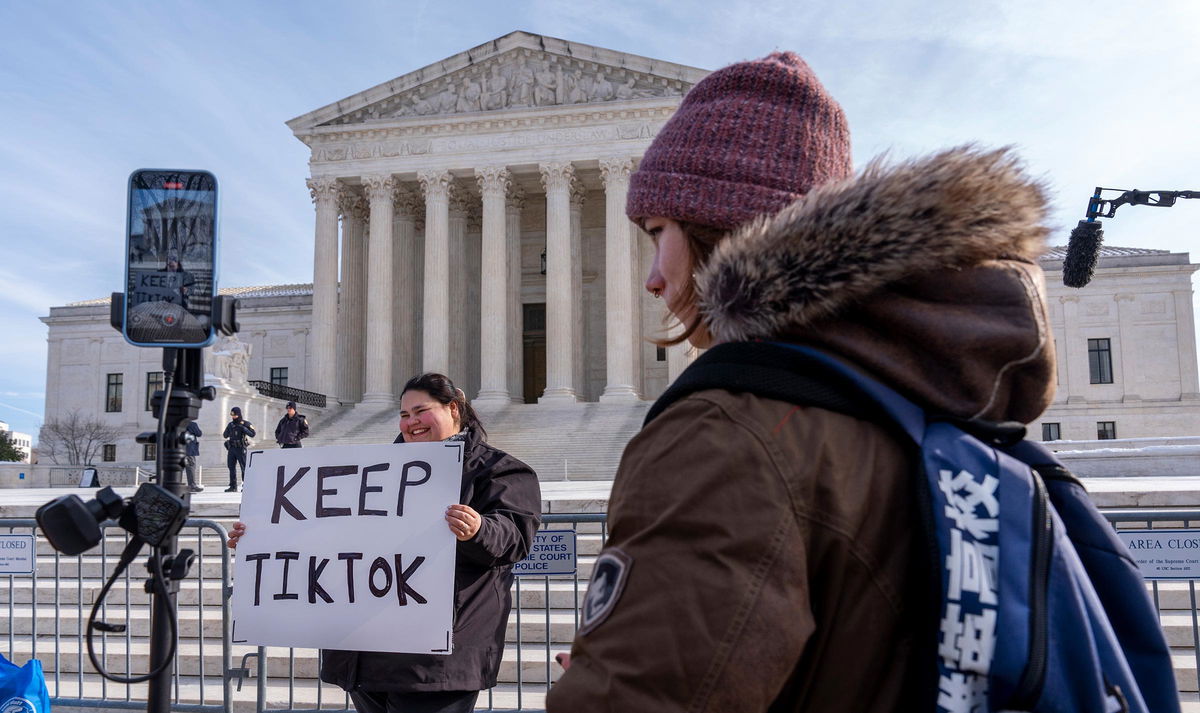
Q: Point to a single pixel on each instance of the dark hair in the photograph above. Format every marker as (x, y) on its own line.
(701, 241)
(442, 390)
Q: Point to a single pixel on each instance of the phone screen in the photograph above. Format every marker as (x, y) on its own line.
(171, 254)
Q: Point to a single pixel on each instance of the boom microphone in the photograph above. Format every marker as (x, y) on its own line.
(1082, 252)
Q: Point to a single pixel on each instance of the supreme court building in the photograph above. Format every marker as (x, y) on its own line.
(469, 219)
(473, 214)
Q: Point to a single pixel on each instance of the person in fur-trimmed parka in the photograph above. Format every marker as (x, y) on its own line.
(765, 556)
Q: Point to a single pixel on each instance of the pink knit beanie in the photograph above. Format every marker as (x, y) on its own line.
(747, 140)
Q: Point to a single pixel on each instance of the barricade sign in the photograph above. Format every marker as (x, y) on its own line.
(553, 552)
(17, 554)
(1164, 554)
(347, 547)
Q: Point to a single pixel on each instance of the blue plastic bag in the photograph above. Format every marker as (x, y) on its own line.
(23, 688)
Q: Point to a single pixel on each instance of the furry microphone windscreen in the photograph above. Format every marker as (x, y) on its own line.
(1082, 252)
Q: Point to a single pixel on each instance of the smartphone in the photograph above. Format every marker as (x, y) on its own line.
(171, 258)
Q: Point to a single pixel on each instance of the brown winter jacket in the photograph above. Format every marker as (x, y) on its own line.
(772, 557)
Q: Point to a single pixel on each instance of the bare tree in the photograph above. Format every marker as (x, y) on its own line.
(75, 438)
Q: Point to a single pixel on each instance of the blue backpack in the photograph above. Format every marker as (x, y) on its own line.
(23, 688)
(1020, 549)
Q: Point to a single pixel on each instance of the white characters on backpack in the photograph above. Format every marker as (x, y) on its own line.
(964, 495)
(968, 627)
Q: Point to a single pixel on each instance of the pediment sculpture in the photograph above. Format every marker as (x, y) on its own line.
(516, 80)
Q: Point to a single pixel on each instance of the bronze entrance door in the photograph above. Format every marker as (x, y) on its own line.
(534, 358)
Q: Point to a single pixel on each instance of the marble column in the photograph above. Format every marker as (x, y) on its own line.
(561, 329)
(494, 182)
(578, 318)
(352, 313)
(618, 297)
(463, 331)
(513, 205)
(643, 354)
(377, 376)
(1185, 345)
(435, 339)
(325, 277)
(1077, 371)
(407, 265)
(1129, 360)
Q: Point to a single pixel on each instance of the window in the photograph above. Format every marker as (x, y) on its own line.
(279, 375)
(1100, 360)
(110, 452)
(148, 452)
(1051, 431)
(660, 353)
(154, 382)
(1106, 430)
(112, 396)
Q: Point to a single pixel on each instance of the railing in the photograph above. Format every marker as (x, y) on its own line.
(62, 647)
(1182, 630)
(287, 393)
(68, 476)
(55, 630)
(520, 697)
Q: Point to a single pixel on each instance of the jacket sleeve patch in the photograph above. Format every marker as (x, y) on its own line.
(608, 581)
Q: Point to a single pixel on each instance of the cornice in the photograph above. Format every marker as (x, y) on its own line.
(535, 118)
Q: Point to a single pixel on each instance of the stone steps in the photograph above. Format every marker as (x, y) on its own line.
(576, 442)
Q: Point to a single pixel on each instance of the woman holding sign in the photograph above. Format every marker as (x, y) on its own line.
(494, 524)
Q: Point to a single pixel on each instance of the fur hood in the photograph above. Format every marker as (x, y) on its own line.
(923, 272)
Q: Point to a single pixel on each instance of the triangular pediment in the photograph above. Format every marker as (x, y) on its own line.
(515, 72)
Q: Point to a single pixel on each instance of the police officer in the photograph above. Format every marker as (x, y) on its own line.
(237, 439)
(292, 428)
(193, 452)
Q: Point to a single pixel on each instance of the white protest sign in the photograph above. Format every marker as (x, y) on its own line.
(552, 552)
(347, 547)
(1164, 554)
(17, 554)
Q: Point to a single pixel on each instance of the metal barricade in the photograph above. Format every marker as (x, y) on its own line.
(48, 612)
(1175, 599)
(545, 605)
(48, 608)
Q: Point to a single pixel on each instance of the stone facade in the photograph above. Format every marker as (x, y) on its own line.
(479, 193)
(91, 369)
(1126, 347)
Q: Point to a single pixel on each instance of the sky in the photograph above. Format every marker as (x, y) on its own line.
(1089, 92)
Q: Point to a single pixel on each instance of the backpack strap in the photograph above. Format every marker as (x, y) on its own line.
(784, 372)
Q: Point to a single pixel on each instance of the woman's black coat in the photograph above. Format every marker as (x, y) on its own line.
(505, 492)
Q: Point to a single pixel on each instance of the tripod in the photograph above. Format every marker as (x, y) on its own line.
(177, 405)
(183, 378)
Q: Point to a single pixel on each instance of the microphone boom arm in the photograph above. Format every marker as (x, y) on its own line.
(1098, 207)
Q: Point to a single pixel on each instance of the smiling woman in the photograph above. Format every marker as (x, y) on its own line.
(494, 523)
